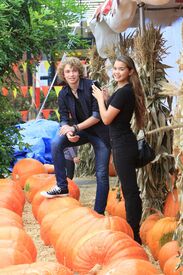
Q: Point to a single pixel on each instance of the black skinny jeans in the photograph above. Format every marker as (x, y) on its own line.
(124, 149)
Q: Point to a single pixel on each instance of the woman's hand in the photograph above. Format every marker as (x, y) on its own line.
(97, 93)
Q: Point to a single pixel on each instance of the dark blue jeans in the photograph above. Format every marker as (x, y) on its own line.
(102, 153)
(124, 150)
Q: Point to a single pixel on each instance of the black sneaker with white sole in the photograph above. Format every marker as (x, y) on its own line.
(55, 191)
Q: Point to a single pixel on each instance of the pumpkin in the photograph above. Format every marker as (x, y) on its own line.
(171, 206)
(7, 184)
(13, 252)
(20, 236)
(67, 238)
(11, 256)
(74, 192)
(68, 219)
(48, 268)
(116, 203)
(129, 267)
(161, 233)
(102, 247)
(34, 183)
(170, 267)
(147, 224)
(49, 168)
(5, 212)
(167, 251)
(112, 170)
(49, 205)
(10, 201)
(47, 223)
(26, 167)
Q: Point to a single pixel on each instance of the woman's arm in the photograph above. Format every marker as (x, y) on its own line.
(107, 114)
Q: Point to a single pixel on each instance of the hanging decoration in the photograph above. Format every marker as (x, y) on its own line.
(4, 91)
(37, 99)
(57, 89)
(24, 115)
(24, 90)
(46, 65)
(44, 89)
(15, 92)
(46, 113)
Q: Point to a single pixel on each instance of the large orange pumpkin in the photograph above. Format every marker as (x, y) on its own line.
(26, 167)
(74, 192)
(102, 247)
(10, 201)
(67, 220)
(47, 223)
(49, 205)
(161, 233)
(8, 184)
(129, 267)
(67, 238)
(35, 183)
(48, 268)
(5, 212)
(13, 252)
(20, 236)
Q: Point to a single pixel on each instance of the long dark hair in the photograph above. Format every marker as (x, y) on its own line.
(140, 108)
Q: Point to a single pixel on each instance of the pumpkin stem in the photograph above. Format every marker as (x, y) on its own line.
(95, 270)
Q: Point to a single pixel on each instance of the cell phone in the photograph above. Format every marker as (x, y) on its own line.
(97, 84)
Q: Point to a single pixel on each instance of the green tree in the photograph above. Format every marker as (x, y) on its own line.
(33, 27)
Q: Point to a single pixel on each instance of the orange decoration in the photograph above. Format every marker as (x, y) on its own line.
(24, 90)
(46, 113)
(45, 90)
(4, 91)
(24, 115)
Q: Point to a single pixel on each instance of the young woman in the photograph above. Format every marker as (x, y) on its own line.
(124, 102)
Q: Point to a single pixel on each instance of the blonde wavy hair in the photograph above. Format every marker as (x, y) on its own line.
(75, 63)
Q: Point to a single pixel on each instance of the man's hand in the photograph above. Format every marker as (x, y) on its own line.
(71, 137)
(76, 159)
(65, 129)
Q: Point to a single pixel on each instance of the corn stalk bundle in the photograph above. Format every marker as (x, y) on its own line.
(178, 153)
(148, 53)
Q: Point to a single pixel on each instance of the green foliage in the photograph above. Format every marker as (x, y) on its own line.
(35, 27)
(28, 28)
(9, 135)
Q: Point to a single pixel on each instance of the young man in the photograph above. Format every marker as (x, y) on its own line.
(76, 100)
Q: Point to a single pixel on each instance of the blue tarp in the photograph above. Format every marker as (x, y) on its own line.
(38, 134)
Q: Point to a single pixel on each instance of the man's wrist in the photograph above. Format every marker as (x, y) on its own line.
(76, 128)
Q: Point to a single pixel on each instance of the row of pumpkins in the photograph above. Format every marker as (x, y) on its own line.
(84, 241)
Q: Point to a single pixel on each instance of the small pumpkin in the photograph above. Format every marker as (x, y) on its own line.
(171, 266)
(167, 251)
(171, 207)
(161, 233)
(147, 224)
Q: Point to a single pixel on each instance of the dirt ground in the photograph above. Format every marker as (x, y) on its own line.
(87, 195)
